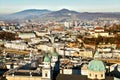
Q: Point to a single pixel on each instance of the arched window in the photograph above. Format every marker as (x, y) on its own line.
(46, 75)
(90, 74)
(95, 75)
(101, 75)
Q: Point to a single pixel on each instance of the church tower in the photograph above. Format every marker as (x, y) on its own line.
(54, 56)
(55, 64)
(55, 60)
(46, 71)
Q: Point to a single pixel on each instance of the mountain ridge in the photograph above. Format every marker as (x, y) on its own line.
(62, 14)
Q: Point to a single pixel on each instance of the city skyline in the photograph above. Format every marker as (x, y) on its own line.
(7, 6)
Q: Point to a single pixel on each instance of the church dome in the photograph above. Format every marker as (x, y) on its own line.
(46, 59)
(96, 65)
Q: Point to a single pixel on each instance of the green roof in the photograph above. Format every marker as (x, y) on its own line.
(96, 55)
(46, 59)
(55, 54)
(113, 46)
(96, 65)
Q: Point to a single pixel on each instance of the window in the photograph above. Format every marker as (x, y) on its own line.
(46, 75)
(90, 74)
(101, 75)
(96, 76)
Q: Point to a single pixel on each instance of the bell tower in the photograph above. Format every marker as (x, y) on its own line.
(46, 71)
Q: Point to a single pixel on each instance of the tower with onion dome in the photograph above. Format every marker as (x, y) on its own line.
(55, 60)
(55, 63)
(46, 71)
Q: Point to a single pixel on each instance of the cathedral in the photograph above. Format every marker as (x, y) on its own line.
(51, 66)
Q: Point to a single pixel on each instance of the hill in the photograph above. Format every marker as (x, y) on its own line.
(60, 15)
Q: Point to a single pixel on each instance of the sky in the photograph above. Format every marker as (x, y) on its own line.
(11, 6)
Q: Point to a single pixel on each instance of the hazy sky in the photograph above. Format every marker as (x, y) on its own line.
(10, 6)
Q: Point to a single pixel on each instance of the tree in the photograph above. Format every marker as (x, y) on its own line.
(7, 35)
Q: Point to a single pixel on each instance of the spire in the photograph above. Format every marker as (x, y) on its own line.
(96, 55)
(54, 51)
(46, 58)
(52, 39)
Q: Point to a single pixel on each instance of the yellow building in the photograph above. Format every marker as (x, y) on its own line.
(86, 54)
(10, 77)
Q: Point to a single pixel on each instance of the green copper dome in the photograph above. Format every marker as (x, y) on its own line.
(96, 65)
(55, 54)
(47, 59)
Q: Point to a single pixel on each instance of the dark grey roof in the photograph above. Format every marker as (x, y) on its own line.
(71, 77)
(2, 71)
(77, 77)
(26, 74)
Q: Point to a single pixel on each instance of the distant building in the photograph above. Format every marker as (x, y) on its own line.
(99, 29)
(26, 35)
(67, 24)
(19, 46)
